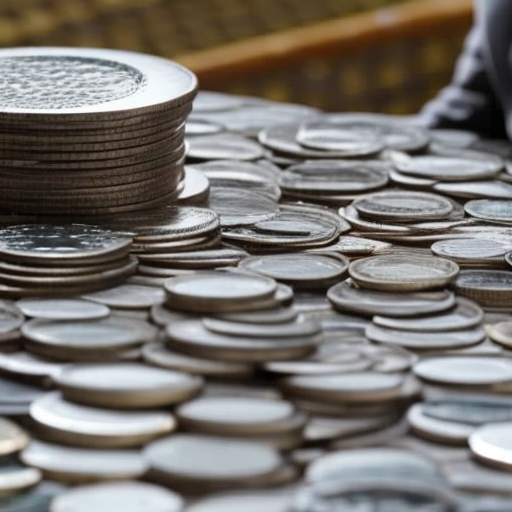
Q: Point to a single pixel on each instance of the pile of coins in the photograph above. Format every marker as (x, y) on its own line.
(322, 322)
(91, 132)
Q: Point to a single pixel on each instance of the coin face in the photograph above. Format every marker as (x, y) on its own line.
(491, 445)
(39, 243)
(404, 206)
(126, 385)
(409, 272)
(490, 209)
(465, 370)
(91, 82)
(223, 146)
(128, 296)
(129, 496)
(472, 250)
(476, 411)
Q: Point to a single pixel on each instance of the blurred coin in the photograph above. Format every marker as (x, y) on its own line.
(26, 366)
(12, 438)
(126, 385)
(465, 315)
(193, 338)
(404, 206)
(449, 168)
(425, 340)
(472, 251)
(347, 297)
(217, 292)
(223, 146)
(487, 287)
(490, 209)
(299, 270)
(201, 128)
(82, 465)
(474, 410)
(186, 459)
(129, 496)
(491, 444)
(265, 317)
(15, 478)
(77, 425)
(62, 309)
(196, 188)
(476, 189)
(501, 333)
(128, 296)
(67, 339)
(159, 355)
(407, 272)
(453, 137)
(36, 499)
(465, 370)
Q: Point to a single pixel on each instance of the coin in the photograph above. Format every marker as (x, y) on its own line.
(487, 287)
(62, 309)
(32, 500)
(426, 340)
(78, 425)
(129, 496)
(217, 291)
(449, 168)
(490, 444)
(490, 209)
(346, 296)
(71, 244)
(81, 465)
(471, 410)
(15, 478)
(185, 460)
(408, 272)
(476, 189)
(74, 338)
(126, 385)
(193, 338)
(223, 146)
(299, 270)
(501, 333)
(29, 367)
(401, 206)
(472, 251)
(465, 315)
(128, 296)
(465, 370)
(12, 437)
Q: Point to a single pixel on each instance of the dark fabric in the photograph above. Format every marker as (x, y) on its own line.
(480, 95)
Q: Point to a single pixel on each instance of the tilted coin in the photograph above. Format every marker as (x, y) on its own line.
(471, 410)
(223, 146)
(299, 269)
(425, 340)
(465, 315)
(449, 168)
(187, 459)
(193, 338)
(437, 430)
(129, 496)
(35, 499)
(453, 137)
(472, 250)
(159, 355)
(271, 316)
(491, 445)
(347, 297)
(196, 188)
(201, 128)
(78, 425)
(75, 338)
(487, 287)
(81, 465)
(239, 416)
(211, 292)
(126, 385)
(465, 370)
(11, 317)
(407, 272)
(62, 309)
(72, 243)
(501, 333)
(26, 366)
(128, 296)
(238, 207)
(404, 206)
(490, 209)
(211, 101)
(476, 189)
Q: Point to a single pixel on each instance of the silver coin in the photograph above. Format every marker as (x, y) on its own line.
(490, 209)
(473, 411)
(491, 444)
(223, 147)
(472, 250)
(476, 189)
(62, 309)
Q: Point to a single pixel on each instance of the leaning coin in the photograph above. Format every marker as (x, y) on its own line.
(407, 272)
(465, 315)
(346, 296)
(126, 385)
(80, 465)
(62, 309)
(465, 370)
(501, 333)
(491, 444)
(128, 496)
(15, 478)
(78, 425)
(12, 438)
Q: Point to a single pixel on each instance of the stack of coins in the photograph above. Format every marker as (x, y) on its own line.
(91, 132)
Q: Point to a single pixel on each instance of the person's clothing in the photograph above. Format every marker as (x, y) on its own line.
(480, 95)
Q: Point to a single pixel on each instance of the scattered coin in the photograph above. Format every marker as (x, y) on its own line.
(128, 296)
(62, 309)
(15, 478)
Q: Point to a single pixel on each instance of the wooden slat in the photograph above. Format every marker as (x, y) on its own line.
(333, 37)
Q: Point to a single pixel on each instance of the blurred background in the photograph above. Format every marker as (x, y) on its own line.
(339, 55)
